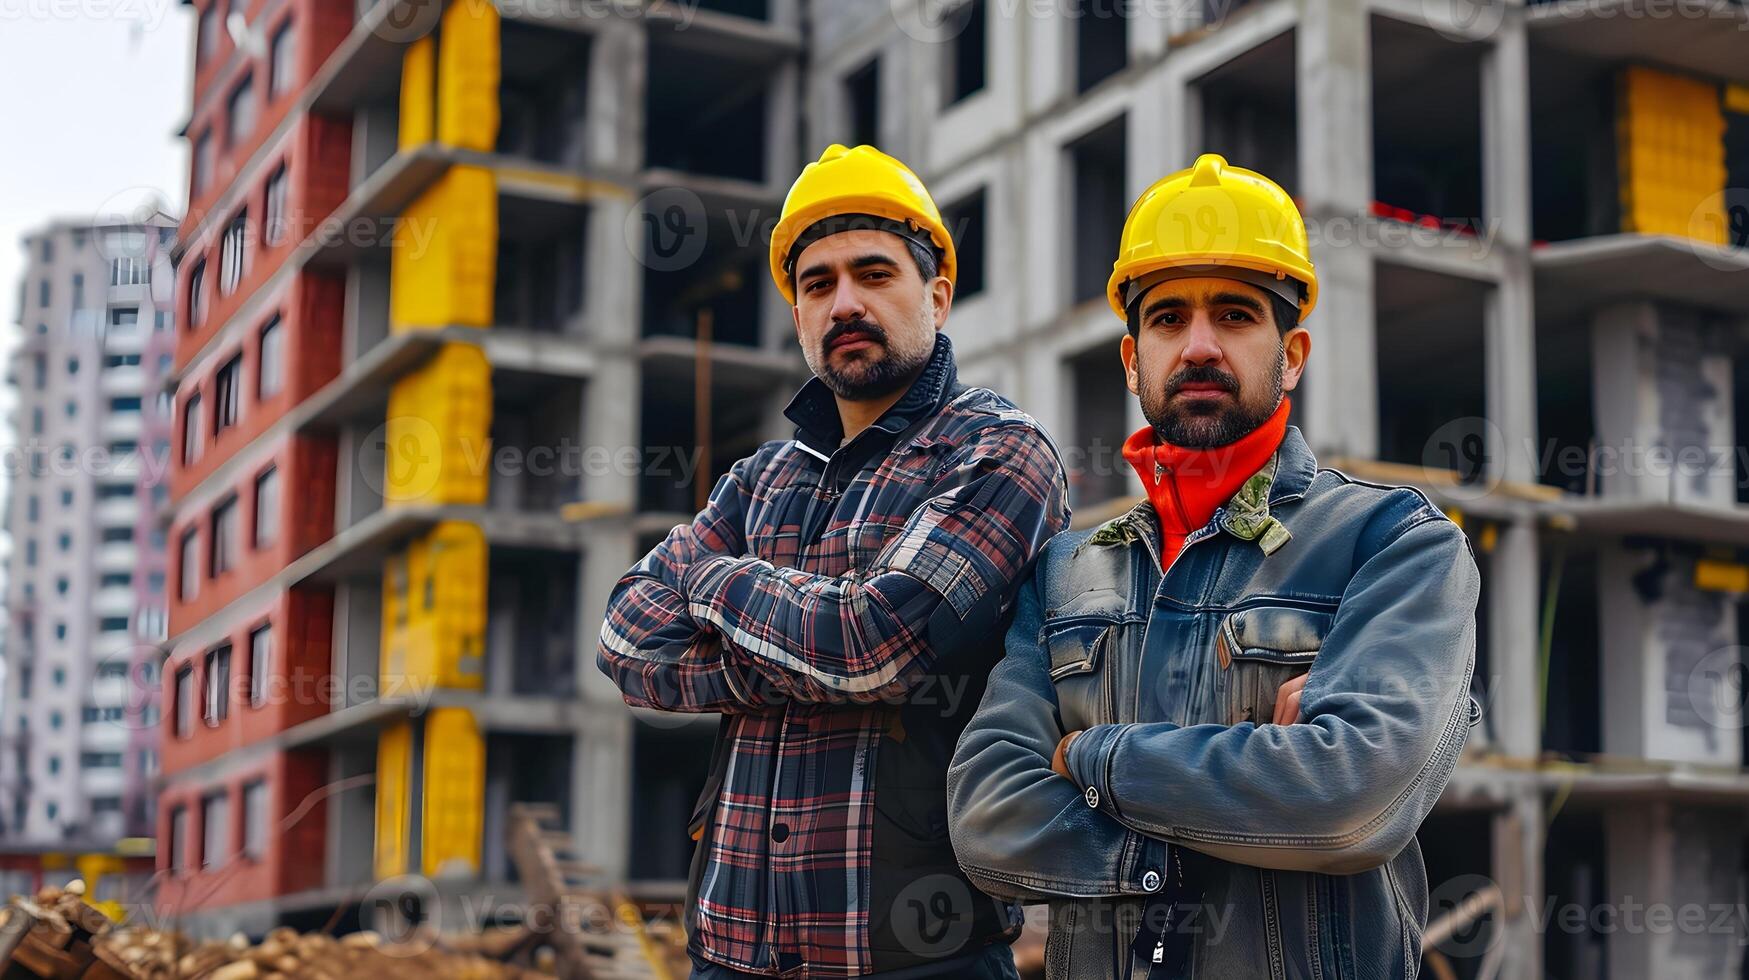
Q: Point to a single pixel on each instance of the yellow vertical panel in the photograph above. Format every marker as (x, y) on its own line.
(455, 790)
(418, 93)
(457, 604)
(1670, 154)
(437, 438)
(467, 76)
(394, 783)
(443, 259)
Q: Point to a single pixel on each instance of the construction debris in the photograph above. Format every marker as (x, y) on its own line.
(55, 935)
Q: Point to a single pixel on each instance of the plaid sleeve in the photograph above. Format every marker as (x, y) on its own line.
(866, 636)
(651, 646)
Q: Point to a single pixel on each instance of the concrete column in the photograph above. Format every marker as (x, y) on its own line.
(1673, 889)
(1663, 405)
(1510, 690)
(1518, 838)
(1509, 330)
(1334, 93)
(1664, 661)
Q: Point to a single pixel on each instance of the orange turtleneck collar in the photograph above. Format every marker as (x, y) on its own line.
(1186, 485)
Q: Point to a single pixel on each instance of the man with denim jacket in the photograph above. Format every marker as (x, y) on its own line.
(1222, 716)
(838, 602)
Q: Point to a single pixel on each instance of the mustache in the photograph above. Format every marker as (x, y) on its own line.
(858, 328)
(1202, 374)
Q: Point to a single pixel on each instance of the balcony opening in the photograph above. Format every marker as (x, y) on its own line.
(713, 110)
(521, 768)
(750, 9)
(675, 471)
(671, 765)
(965, 221)
(728, 277)
(1566, 425)
(965, 57)
(862, 95)
(1250, 114)
(1737, 175)
(1101, 43)
(1097, 471)
(531, 643)
(539, 283)
(1574, 876)
(1740, 430)
(1572, 702)
(1572, 146)
(1431, 390)
(544, 94)
(537, 429)
(1457, 847)
(1426, 124)
(1099, 203)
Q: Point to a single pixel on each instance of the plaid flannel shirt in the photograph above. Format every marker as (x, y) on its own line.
(807, 595)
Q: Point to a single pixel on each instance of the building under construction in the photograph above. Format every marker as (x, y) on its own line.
(473, 305)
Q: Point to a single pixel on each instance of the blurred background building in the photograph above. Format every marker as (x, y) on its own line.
(79, 745)
(472, 305)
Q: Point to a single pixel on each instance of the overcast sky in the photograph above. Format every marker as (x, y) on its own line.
(92, 93)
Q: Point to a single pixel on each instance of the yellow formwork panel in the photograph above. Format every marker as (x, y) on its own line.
(443, 260)
(419, 93)
(436, 446)
(454, 797)
(434, 613)
(467, 76)
(1670, 152)
(394, 783)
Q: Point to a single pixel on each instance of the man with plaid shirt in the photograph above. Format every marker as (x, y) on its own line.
(839, 601)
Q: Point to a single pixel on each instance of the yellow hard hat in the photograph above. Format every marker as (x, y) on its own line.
(860, 181)
(1214, 220)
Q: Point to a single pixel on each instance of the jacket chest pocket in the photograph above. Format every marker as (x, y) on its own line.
(1262, 648)
(1080, 648)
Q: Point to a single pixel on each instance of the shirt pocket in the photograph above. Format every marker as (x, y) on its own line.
(1260, 649)
(1080, 648)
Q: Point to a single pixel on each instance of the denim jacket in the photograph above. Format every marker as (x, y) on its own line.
(1292, 847)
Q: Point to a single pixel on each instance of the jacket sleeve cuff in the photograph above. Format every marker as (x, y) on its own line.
(700, 581)
(1089, 761)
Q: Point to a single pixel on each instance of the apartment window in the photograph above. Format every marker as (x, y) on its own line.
(115, 580)
(60, 677)
(78, 290)
(29, 555)
(1101, 44)
(862, 90)
(966, 53)
(101, 805)
(121, 360)
(215, 704)
(123, 319)
(100, 760)
(241, 110)
(274, 227)
(197, 295)
(188, 577)
(203, 162)
(192, 437)
(25, 676)
(54, 767)
(183, 719)
(72, 365)
(161, 320)
(124, 404)
(282, 70)
(227, 384)
(1096, 163)
(179, 839)
(115, 670)
(36, 420)
(112, 491)
(60, 631)
(965, 223)
(223, 556)
(48, 250)
(117, 535)
(270, 371)
(61, 585)
(31, 507)
(52, 810)
(215, 816)
(72, 409)
(129, 270)
(112, 624)
(254, 819)
(234, 254)
(260, 662)
(42, 295)
(266, 507)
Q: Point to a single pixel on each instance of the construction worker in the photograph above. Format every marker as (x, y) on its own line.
(838, 601)
(1152, 757)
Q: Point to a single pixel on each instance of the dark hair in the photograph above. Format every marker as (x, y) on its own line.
(1286, 315)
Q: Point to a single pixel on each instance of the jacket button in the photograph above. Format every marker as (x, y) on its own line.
(1093, 796)
(780, 832)
(1151, 881)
